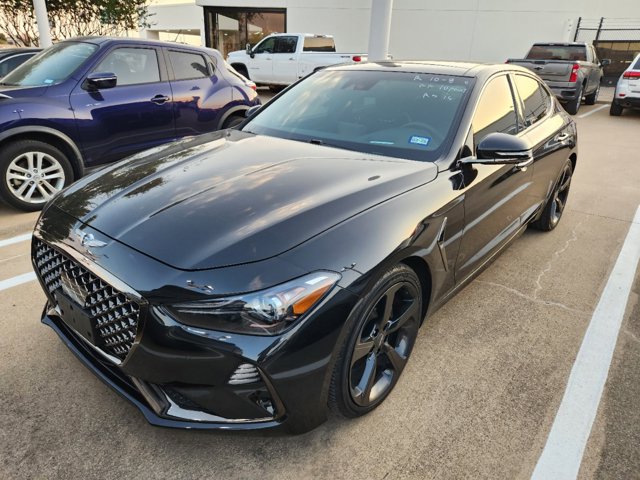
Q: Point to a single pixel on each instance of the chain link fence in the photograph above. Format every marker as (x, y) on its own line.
(616, 39)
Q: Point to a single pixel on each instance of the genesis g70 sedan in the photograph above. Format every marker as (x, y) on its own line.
(258, 276)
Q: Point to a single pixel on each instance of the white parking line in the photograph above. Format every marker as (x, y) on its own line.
(15, 281)
(591, 112)
(562, 454)
(17, 239)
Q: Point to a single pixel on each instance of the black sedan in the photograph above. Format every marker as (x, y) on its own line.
(11, 58)
(256, 277)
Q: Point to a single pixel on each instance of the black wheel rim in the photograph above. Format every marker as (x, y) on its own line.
(560, 195)
(384, 343)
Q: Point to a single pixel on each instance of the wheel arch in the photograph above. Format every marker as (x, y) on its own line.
(237, 110)
(422, 270)
(52, 137)
(241, 68)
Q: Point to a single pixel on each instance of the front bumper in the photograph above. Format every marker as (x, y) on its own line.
(155, 404)
(184, 377)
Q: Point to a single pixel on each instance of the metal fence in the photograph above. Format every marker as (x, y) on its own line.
(616, 39)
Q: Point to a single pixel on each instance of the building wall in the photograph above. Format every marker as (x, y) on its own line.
(479, 30)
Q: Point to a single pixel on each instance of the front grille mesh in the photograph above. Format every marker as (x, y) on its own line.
(113, 315)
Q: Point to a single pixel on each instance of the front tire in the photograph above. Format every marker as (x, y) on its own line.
(557, 202)
(31, 173)
(382, 332)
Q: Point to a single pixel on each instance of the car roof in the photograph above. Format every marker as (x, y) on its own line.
(18, 50)
(562, 44)
(465, 69)
(109, 40)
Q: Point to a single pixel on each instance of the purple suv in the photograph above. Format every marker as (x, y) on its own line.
(89, 101)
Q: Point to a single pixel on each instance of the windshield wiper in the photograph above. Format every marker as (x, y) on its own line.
(5, 84)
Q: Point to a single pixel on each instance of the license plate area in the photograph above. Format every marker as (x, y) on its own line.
(75, 317)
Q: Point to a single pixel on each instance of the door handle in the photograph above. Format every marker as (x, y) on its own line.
(562, 137)
(292, 58)
(160, 99)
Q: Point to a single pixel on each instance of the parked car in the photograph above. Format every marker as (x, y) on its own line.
(11, 58)
(90, 101)
(572, 71)
(283, 58)
(250, 278)
(627, 94)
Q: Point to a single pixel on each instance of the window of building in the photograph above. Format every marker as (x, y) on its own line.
(229, 28)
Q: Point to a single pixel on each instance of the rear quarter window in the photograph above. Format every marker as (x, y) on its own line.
(319, 44)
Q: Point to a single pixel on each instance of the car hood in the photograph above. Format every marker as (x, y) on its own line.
(233, 197)
(8, 92)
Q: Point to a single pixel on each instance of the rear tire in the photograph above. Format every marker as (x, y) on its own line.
(616, 109)
(381, 334)
(557, 201)
(232, 121)
(592, 98)
(31, 172)
(573, 106)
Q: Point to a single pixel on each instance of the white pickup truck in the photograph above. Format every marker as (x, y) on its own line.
(282, 58)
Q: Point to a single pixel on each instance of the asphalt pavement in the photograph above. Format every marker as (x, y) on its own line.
(477, 400)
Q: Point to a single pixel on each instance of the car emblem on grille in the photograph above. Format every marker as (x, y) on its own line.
(88, 240)
(72, 289)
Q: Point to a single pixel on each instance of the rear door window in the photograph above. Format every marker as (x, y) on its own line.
(286, 44)
(495, 111)
(637, 64)
(534, 98)
(188, 65)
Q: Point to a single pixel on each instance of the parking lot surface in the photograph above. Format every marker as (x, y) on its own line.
(477, 399)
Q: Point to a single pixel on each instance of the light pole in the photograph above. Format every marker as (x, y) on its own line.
(40, 9)
(380, 28)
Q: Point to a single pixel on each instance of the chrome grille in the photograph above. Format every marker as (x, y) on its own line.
(113, 315)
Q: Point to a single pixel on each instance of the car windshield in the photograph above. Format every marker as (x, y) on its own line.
(51, 66)
(558, 52)
(398, 114)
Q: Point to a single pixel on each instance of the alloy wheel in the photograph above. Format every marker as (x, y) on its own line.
(34, 177)
(560, 195)
(384, 343)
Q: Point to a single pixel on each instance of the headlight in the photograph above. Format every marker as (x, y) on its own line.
(267, 312)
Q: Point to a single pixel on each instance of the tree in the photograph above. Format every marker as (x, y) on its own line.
(71, 18)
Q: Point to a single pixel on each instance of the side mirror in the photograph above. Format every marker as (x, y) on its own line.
(252, 111)
(249, 50)
(605, 62)
(502, 149)
(100, 81)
